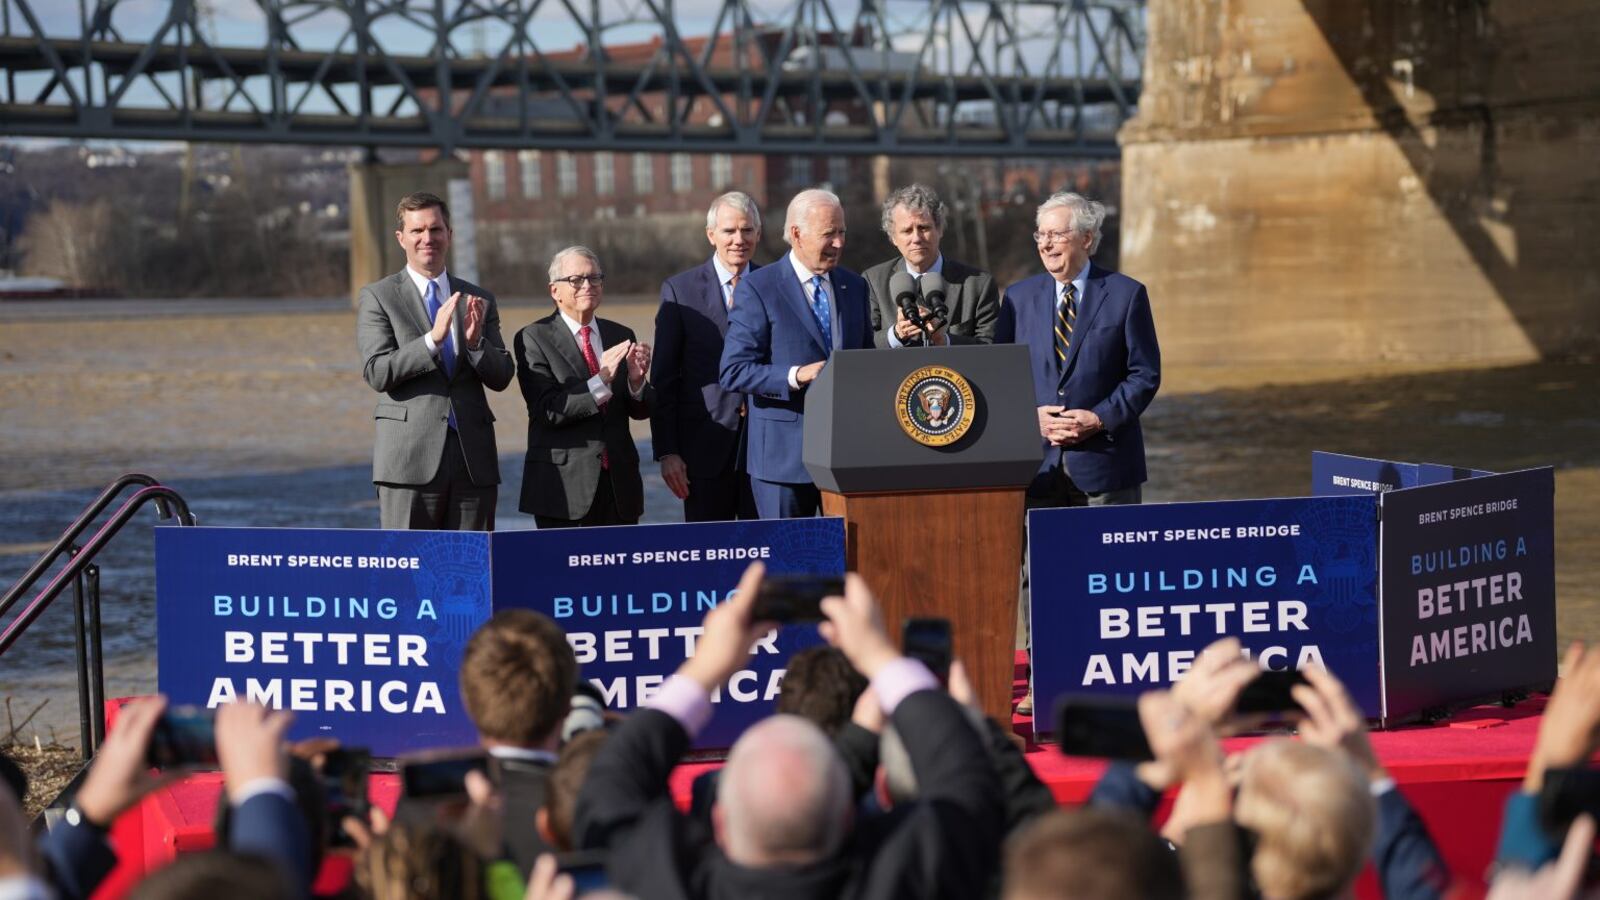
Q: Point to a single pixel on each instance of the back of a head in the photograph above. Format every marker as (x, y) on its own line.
(820, 685)
(1090, 854)
(566, 780)
(14, 779)
(416, 860)
(1313, 816)
(216, 873)
(784, 796)
(517, 675)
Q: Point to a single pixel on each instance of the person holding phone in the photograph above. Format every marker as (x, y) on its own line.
(783, 817)
(517, 677)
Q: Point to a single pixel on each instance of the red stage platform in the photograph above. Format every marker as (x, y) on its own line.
(1457, 774)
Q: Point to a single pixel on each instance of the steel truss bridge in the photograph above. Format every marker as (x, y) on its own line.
(922, 77)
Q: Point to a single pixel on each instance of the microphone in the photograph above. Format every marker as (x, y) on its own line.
(904, 290)
(933, 291)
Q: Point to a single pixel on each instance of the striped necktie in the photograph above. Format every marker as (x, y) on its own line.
(1066, 317)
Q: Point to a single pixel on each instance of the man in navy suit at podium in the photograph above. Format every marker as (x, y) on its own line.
(1096, 365)
(787, 319)
(696, 427)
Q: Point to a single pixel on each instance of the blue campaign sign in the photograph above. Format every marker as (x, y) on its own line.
(631, 599)
(1339, 475)
(1124, 597)
(1436, 473)
(1469, 602)
(359, 632)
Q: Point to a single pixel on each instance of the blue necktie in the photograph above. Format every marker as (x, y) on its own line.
(447, 347)
(819, 309)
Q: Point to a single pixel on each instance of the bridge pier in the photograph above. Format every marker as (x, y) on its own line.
(1335, 181)
(375, 191)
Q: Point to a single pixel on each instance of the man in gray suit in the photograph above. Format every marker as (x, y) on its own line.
(430, 343)
(583, 378)
(914, 218)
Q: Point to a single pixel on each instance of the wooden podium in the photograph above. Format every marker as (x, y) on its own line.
(935, 528)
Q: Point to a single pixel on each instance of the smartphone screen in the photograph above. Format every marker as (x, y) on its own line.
(1101, 726)
(587, 868)
(183, 736)
(439, 776)
(928, 640)
(1269, 692)
(795, 598)
(344, 789)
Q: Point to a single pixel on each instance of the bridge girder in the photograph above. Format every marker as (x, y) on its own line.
(922, 77)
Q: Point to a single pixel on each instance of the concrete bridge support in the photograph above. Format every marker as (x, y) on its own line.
(1336, 181)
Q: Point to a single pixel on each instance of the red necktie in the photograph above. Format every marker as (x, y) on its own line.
(594, 369)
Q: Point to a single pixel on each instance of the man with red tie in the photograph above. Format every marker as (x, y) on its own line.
(583, 378)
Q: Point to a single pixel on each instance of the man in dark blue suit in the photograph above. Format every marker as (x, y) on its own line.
(1096, 365)
(787, 319)
(697, 427)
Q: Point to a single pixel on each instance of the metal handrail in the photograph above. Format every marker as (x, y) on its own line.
(64, 543)
(176, 506)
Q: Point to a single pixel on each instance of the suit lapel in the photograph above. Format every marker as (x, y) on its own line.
(406, 290)
(566, 344)
(716, 307)
(841, 291)
(1088, 306)
(797, 299)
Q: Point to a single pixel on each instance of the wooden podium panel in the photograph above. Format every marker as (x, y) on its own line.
(955, 554)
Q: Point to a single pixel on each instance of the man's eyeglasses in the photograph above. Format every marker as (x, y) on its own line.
(1050, 237)
(576, 281)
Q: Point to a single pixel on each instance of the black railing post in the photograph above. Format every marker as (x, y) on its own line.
(79, 637)
(97, 681)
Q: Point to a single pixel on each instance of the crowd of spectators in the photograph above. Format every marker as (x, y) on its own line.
(872, 780)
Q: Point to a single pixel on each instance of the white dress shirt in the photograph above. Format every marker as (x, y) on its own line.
(597, 388)
(443, 285)
(806, 287)
(1078, 283)
(725, 278)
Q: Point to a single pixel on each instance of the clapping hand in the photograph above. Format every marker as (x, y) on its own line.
(612, 358)
(441, 319)
(476, 307)
(638, 365)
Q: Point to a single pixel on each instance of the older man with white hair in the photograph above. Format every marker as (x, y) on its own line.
(583, 378)
(783, 825)
(1096, 365)
(786, 320)
(696, 427)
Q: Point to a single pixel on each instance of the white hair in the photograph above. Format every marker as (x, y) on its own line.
(738, 200)
(1087, 215)
(802, 205)
(784, 795)
(575, 250)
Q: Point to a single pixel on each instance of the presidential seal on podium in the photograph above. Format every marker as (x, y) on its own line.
(935, 406)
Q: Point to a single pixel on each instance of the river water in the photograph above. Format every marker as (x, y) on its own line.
(255, 411)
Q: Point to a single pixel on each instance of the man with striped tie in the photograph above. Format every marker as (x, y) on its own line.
(1096, 363)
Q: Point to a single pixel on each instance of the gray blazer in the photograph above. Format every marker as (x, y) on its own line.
(566, 428)
(418, 398)
(972, 296)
